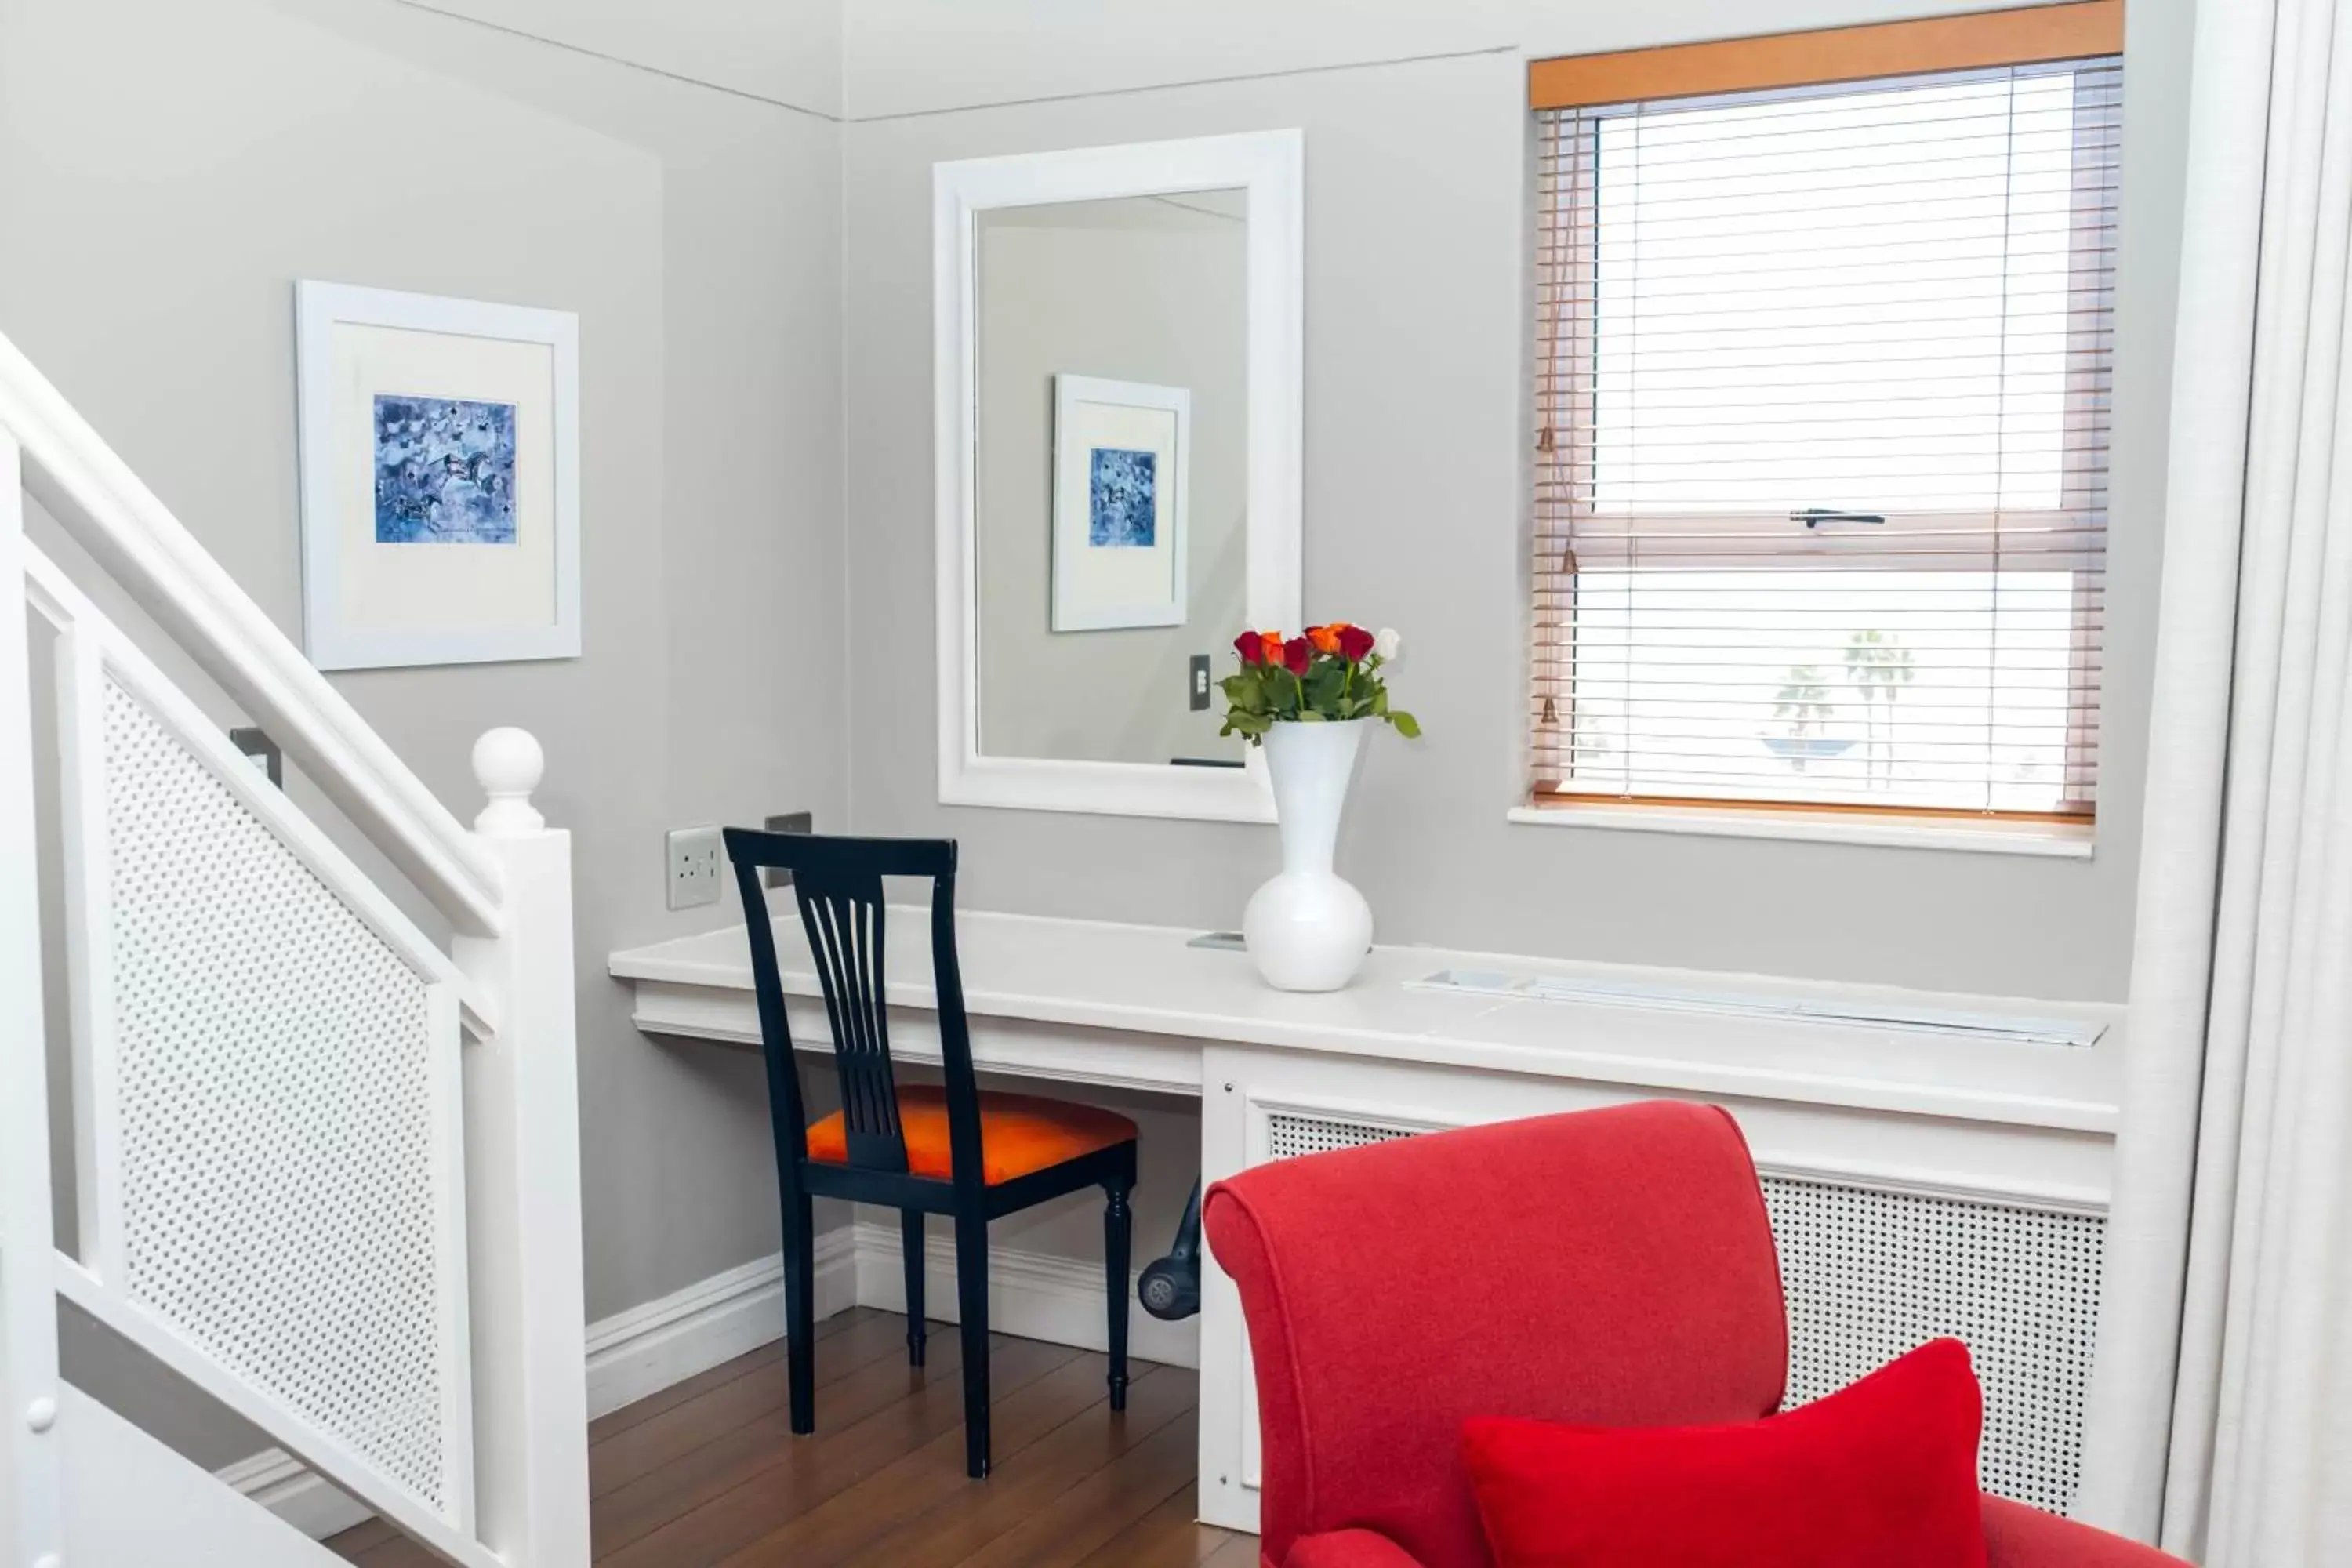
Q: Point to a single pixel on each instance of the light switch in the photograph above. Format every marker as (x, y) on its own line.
(1200, 683)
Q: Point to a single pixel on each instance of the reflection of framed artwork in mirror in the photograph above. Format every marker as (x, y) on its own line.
(1120, 490)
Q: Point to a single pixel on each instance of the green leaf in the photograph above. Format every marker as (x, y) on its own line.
(1406, 724)
(1248, 725)
(1247, 691)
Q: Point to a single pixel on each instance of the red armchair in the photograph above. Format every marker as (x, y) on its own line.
(1610, 1267)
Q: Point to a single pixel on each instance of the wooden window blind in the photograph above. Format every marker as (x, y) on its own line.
(1822, 397)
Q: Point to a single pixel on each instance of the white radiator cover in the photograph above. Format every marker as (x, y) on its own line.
(1869, 1273)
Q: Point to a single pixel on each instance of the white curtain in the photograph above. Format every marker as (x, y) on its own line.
(2221, 1420)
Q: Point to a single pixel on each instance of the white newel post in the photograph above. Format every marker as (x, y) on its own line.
(522, 1149)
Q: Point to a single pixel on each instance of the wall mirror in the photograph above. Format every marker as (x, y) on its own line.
(1119, 334)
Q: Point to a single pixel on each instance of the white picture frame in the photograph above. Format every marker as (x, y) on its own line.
(468, 551)
(1104, 577)
(1269, 166)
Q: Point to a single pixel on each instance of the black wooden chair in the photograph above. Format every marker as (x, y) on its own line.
(956, 1150)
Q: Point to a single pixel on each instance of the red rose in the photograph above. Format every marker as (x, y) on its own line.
(1251, 646)
(1297, 655)
(1355, 642)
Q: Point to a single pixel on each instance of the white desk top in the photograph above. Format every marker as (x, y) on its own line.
(1144, 981)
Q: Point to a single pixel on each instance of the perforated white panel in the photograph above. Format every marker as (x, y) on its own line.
(1288, 1136)
(275, 1082)
(1871, 1274)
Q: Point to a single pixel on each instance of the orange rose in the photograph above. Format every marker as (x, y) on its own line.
(1324, 639)
(1273, 643)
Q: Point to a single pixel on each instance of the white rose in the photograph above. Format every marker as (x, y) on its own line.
(1386, 642)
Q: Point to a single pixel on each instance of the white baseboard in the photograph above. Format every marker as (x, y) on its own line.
(291, 1489)
(1032, 1294)
(646, 1348)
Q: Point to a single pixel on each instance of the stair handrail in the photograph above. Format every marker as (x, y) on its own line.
(94, 496)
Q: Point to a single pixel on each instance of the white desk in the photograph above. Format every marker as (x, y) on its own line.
(1949, 1136)
(1093, 1001)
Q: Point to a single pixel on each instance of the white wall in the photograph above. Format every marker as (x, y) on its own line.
(787, 52)
(1417, 199)
(904, 58)
(1144, 291)
(167, 170)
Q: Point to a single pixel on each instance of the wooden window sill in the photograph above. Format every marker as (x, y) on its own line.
(1987, 836)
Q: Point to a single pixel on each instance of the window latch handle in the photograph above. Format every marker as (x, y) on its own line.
(1814, 516)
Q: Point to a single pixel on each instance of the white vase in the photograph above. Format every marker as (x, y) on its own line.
(1307, 928)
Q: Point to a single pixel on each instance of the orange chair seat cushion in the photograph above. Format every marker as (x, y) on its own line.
(1019, 1133)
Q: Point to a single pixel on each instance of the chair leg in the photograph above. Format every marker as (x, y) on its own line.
(800, 1310)
(972, 1295)
(910, 1231)
(1118, 1224)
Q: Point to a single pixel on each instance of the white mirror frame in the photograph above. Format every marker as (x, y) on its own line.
(1271, 166)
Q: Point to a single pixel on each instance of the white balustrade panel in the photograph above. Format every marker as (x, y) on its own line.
(281, 1080)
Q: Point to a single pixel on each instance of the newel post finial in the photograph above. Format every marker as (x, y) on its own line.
(508, 765)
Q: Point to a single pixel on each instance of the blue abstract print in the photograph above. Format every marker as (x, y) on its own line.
(444, 472)
(1122, 510)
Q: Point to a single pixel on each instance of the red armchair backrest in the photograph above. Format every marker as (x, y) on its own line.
(1612, 1267)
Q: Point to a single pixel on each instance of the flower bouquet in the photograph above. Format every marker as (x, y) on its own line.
(1328, 674)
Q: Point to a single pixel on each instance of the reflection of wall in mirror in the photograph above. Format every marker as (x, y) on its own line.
(1143, 290)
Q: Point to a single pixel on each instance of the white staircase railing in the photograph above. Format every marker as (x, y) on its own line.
(81, 483)
(324, 1170)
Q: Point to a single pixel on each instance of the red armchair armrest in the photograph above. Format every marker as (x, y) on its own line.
(2016, 1536)
(1348, 1549)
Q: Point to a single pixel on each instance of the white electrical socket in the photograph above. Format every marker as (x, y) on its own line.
(695, 857)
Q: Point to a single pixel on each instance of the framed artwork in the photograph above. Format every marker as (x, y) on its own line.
(1119, 453)
(440, 454)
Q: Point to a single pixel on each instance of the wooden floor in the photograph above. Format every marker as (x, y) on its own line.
(707, 1472)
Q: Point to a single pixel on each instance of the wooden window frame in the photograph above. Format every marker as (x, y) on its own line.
(2032, 34)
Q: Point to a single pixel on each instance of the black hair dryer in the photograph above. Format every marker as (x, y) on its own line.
(1171, 1289)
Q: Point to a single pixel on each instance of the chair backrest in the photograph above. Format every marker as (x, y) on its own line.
(838, 883)
(1608, 1267)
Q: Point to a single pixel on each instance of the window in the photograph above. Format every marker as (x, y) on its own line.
(1821, 450)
